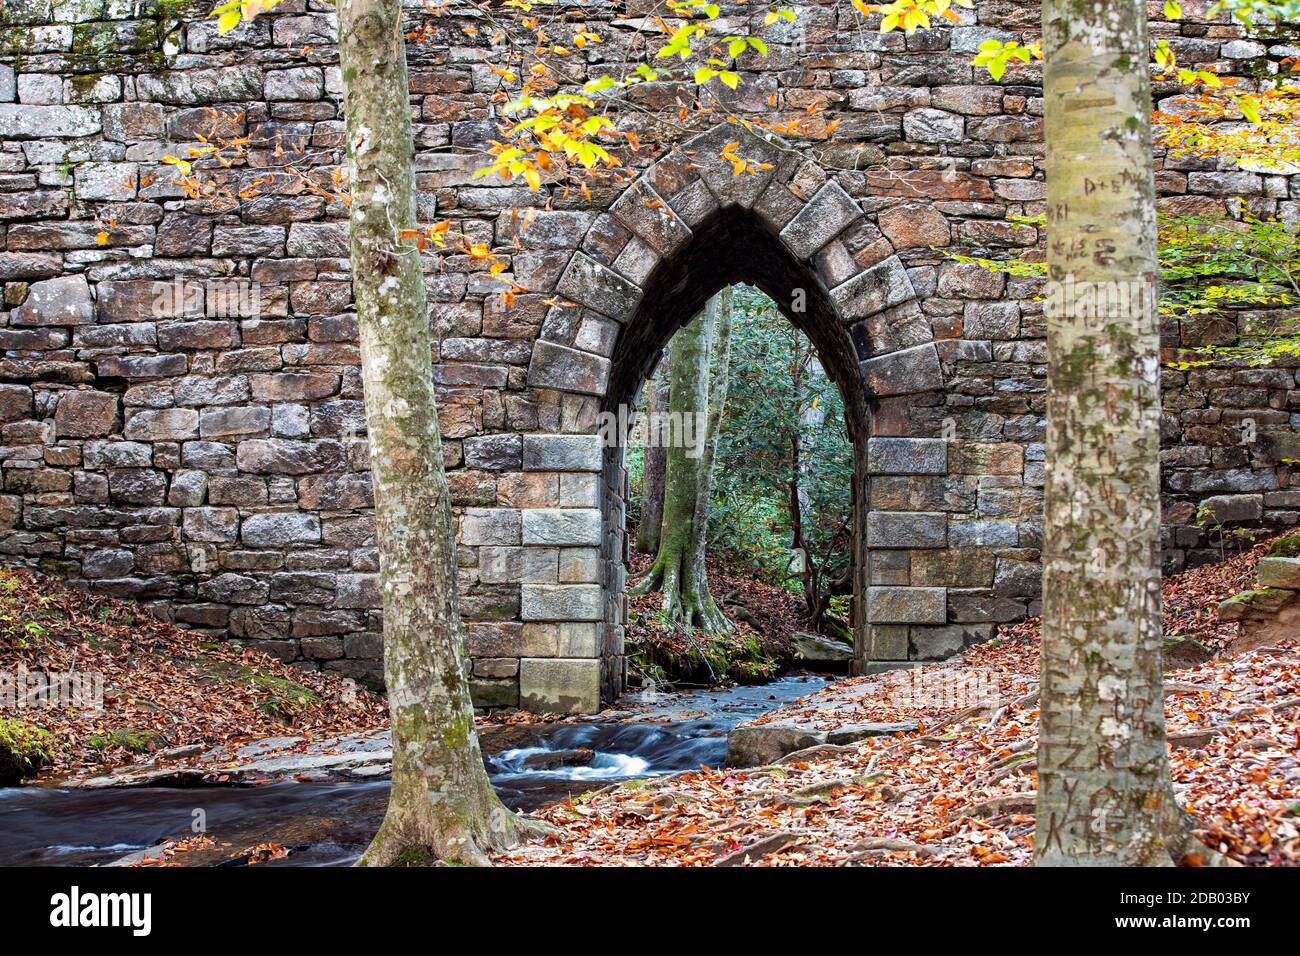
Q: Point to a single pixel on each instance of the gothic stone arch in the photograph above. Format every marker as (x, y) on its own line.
(674, 236)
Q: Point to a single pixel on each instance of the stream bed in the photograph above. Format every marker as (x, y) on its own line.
(330, 823)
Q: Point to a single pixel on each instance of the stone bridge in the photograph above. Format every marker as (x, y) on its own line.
(179, 390)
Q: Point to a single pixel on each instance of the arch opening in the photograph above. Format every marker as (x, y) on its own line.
(733, 247)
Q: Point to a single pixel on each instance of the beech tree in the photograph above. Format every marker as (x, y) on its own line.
(656, 463)
(697, 392)
(1104, 792)
(442, 804)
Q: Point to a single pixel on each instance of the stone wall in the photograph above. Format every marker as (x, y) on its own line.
(201, 447)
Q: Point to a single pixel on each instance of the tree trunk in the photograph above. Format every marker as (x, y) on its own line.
(679, 568)
(698, 593)
(442, 805)
(1104, 790)
(656, 462)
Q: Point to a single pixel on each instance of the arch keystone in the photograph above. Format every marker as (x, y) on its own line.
(728, 188)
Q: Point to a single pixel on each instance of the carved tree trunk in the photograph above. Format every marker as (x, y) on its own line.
(1105, 796)
(442, 805)
(679, 568)
(656, 463)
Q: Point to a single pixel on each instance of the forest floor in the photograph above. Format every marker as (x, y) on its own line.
(959, 790)
(164, 688)
(765, 616)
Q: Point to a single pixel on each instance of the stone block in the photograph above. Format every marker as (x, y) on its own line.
(598, 287)
(56, 302)
(822, 218)
(986, 458)
(561, 602)
(490, 526)
(926, 125)
(562, 452)
(562, 526)
(905, 372)
(884, 285)
(978, 531)
(187, 489)
(1231, 509)
(230, 588)
(887, 642)
(1279, 573)
(358, 591)
(906, 529)
(280, 530)
(232, 422)
(142, 366)
(907, 456)
(335, 492)
(512, 565)
(554, 685)
(727, 188)
(298, 83)
(579, 566)
(981, 607)
(907, 605)
(527, 490)
(485, 692)
(215, 525)
(106, 182)
(914, 225)
(47, 122)
(571, 370)
(643, 212)
(579, 490)
(281, 456)
(494, 452)
(84, 414)
(164, 424)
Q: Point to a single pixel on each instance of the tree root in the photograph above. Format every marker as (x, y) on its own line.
(419, 835)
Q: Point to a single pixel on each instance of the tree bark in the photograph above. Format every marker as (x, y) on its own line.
(1104, 790)
(699, 595)
(679, 567)
(442, 805)
(656, 462)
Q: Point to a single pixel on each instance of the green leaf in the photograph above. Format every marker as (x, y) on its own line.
(1173, 10)
(729, 78)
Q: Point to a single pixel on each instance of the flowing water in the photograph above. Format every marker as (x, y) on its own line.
(330, 823)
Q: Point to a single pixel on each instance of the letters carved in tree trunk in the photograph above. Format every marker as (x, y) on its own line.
(1105, 795)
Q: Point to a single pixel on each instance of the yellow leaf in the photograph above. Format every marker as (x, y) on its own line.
(101, 239)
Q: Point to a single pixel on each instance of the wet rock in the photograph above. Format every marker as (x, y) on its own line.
(557, 759)
(762, 744)
(818, 647)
